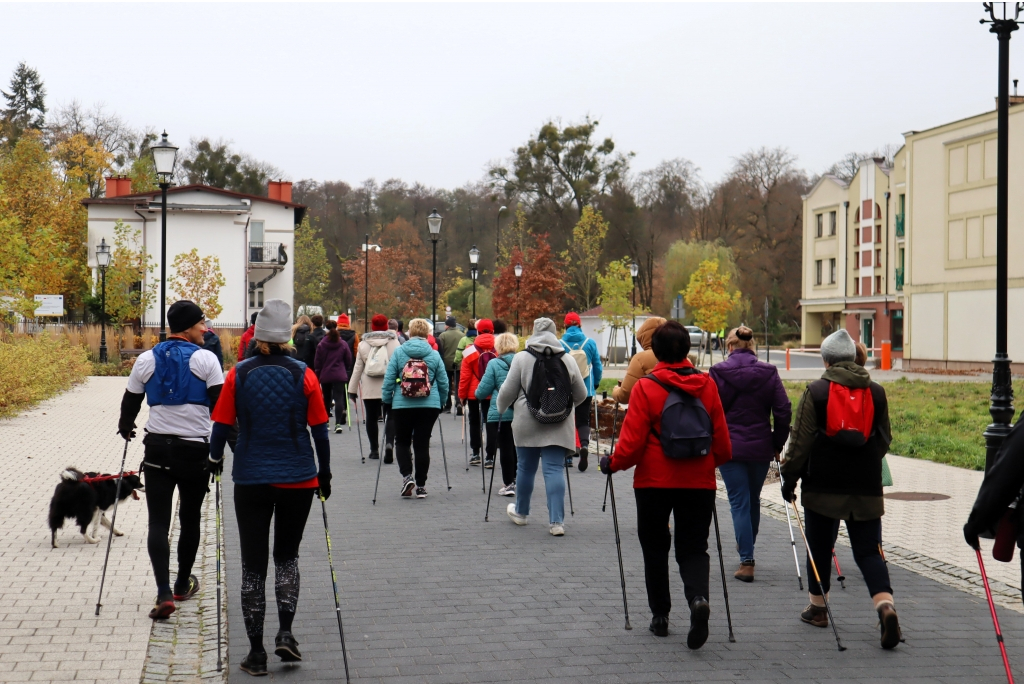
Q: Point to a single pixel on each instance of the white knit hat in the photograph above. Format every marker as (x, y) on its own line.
(273, 325)
(838, 347)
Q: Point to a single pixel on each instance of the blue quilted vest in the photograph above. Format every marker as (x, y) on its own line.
(273, 442)
(173, 382)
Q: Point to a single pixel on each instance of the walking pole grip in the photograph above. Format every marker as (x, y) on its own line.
(995, 618)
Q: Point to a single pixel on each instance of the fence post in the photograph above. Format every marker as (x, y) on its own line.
(886, 355)
(787, 359)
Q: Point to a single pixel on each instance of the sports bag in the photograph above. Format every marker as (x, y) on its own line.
(849, 415)
(685, 423)
(483, 360)
(579, 355)
(376, 363)
(549, 397)
(415, 379)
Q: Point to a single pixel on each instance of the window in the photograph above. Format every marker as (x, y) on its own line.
(903, 254)
(865, 258)
(832, 270)
(865, 286)
(903, 210)
(878, 258)
(878, 284)
(856, 236)
(897, 329)
(818, 222)
(256, 232)
(255, 296)
(878, 234)
(856, 286)
(831, 223)
(817, 271)
(867, 234)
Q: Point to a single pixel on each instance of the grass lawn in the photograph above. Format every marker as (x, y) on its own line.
(940, 422)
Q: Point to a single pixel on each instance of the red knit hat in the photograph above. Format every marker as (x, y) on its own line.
(379, 322)
(485, 326)
(343, 319)
(572, 319)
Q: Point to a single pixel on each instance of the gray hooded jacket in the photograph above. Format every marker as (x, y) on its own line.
(526, 430)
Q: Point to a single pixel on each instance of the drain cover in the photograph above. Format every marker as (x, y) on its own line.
(916, 496)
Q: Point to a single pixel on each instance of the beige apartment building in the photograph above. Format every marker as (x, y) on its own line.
(920, 270)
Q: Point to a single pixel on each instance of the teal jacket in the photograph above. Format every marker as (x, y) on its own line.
(490, 384)
(414, 348)
(575, 339)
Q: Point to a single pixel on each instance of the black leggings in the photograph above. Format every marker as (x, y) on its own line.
(500, 434)
(582, 419)
(335, 392)
(255, 505)
(473, 419)
(412, 434)
(374, 410)
(172, 462)
(866, 540)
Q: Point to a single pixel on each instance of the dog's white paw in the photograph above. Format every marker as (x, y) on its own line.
(118, 533)
(91, 540)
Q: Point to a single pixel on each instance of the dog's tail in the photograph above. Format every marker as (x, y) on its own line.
(71, 474)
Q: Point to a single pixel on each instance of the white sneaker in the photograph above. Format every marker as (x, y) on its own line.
(338, 427)
(516, 518)
(509, 490)
(557, 529)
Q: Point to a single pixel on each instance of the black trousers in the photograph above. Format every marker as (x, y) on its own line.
(473, 419)
(412, 435)
(453, 389)
(255, 506)
(866, 540)
(374, 410)
(501, 435)
(169, 463)
(692, 510)
(335, 392)
(582, 417)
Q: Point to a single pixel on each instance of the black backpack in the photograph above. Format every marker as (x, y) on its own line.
(549, 397)
(685, 423)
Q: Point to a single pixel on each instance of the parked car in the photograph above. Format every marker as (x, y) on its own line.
(696, 337)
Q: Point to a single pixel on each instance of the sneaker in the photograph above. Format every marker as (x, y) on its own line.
(745, 572)
(474, 460)
(389, 454)
(557, 529)
(190, 589)
(163, 609)
(508, 491)
(374, 454)
(489, 464)
(338, 427)
(408, 485)
(516, 518)
(255, 663)
(890, 625)
(700, 612)
(286, 647)
(659, 626)
(583, 459)
(815, 615)
(421, 493)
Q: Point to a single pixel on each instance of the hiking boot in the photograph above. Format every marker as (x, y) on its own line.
(389, 454)
(374, 454)
(659, 626)
(421, 492)
(745, 572)
(700, 612)
(816, 616)
(583, 459)
(163, 609)
(188, 591)
(509, 490)
(557, 529)
(890, 625)
(255, 663)
(408, 485)
(286, 647)
(474, 460)
(517, 519)
(488, 463)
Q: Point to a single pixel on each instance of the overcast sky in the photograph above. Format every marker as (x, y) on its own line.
(432, 92)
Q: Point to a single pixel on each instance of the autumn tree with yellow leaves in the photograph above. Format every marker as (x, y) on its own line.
(708, 296)
(198, 279)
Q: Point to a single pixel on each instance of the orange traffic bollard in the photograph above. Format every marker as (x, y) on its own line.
(787, 359)
(886, 355)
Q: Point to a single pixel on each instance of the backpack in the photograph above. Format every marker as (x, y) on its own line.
(549, 397)
(377, 365)
(685, 423)
(849, 415)
(483, 360)
(415, 379)
(579, 355)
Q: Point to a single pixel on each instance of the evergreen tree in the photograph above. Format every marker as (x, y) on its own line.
(26, 104)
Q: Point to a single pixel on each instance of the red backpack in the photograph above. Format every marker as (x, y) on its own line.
(415, 379)
(849, 415)
(483, 360)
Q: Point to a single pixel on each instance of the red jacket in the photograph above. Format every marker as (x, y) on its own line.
(469, 377)
(638, 446)
(244, 341)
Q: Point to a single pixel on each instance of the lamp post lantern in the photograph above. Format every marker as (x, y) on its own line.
(634, 271)
(497, 235)
(165, 155)
(519, 276)
(103, 261)
(474, 258)
(367, 248)
(434, 226)
(1003, 24)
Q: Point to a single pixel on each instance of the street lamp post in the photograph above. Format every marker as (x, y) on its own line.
(474, 257)
(634, 271)
(497, 236)
(164, 157)
(1001, 401)
(367, 247)
(519, 276)
(434, 226)
(103, 261)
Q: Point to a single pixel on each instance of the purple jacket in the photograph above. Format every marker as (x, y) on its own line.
(751, 392)
(333, 362)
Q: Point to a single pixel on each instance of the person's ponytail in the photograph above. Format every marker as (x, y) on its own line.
(332, 331)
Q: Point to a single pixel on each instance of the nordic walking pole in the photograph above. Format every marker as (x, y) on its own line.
(568, 485)
(618, 547)
(817, 576)
(348, 409)
(362, 459)
(113, 520)
(444, 456)
(334, 581)
(380, 461)
(615, 416)
(839, 572)
(216, 498)
(487, 510)
(483, 456)
(995, 618)
(721, 563)
(792, 540)
(465, 445)
(597, 427)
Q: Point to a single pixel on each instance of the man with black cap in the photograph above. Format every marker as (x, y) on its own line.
(181, 382)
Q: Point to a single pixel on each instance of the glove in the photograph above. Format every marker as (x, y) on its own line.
(353, 396)
(606, 465)
(215, 466)
(971, 535)
(789, 490)
(325, 484)
(126, 432)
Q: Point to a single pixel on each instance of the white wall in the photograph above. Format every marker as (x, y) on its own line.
(927, 312)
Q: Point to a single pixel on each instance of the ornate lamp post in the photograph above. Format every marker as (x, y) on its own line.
(165, 156)
(634, 271)
(519, 276)
(367, 248)
(1003, 22)
(434, 225)
(103, 261)
(497, 235)
(474, 257)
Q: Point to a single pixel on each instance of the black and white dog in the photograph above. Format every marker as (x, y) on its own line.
(87, 502)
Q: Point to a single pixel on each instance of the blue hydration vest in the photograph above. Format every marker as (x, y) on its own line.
(173, 382)
(273, 441)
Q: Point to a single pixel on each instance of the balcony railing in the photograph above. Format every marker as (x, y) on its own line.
(269, 254)
(899, 278)
(900, 226)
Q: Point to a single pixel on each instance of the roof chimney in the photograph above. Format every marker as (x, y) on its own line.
(286, 191)
(274, 190)
(116, 186)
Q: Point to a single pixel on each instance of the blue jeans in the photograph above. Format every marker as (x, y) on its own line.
(530, 458)
(743, 481)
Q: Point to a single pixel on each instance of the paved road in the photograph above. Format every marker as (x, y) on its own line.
(432, 593)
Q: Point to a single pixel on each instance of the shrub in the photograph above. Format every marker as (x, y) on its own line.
(33, 369)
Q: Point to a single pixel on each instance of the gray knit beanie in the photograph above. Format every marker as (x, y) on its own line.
(273, 325)
(838, 347)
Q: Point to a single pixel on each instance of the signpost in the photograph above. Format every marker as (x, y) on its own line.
(49, 305)
(678, 309)
(767, 345)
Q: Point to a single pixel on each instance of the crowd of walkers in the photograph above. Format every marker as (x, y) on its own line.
(526, 405)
